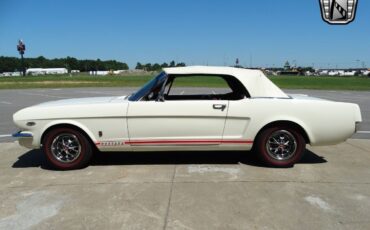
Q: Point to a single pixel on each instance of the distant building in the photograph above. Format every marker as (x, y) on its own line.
(116, 72)
(11, 74)
(101, 72)
(288, 70)
(43, 71)
(349, 73)
(340, 72)
(309, 73)
(287, 66)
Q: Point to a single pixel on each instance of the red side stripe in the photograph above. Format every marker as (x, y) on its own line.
(238, 142)
(190, 142)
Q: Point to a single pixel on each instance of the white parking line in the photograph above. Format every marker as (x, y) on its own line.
(5, 102)
(363, 132)
(5, 135)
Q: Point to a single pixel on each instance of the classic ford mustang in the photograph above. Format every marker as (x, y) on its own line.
(244, 111)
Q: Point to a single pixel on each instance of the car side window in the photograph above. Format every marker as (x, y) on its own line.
(202, 87)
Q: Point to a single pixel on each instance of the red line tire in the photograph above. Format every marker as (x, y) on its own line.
(280, 146)
(67, 149)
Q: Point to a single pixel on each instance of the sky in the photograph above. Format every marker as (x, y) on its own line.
(197, 32)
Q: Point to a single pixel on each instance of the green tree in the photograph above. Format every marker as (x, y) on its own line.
(72, 63)
(148, 67)
(156, 67)
(139, 66)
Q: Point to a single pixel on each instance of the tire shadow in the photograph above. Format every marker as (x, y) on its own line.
(36, 158)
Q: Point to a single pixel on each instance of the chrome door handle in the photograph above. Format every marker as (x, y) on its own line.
(219, 106)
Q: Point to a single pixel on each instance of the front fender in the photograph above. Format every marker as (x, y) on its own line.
(37, 138)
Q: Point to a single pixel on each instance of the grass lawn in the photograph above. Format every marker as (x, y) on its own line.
(323, 82)
(285, 82)
(57, 81)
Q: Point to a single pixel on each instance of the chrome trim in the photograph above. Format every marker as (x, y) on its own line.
(20, 134)
(66, 148)
(357, 126)
(289, 97)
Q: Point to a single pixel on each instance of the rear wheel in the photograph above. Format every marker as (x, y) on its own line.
(280, 146)
(67, 149)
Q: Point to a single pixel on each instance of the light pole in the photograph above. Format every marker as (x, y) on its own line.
(21, 47)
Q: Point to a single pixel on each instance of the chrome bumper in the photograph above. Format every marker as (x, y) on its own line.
(25, 139)
(21, 134)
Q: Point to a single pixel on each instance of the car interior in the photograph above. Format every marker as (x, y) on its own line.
(226, 88)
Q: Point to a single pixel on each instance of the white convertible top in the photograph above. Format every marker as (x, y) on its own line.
(255, 81)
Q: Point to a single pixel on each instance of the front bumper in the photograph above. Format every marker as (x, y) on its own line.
(357, 126)
(21, 134)
(25, 139)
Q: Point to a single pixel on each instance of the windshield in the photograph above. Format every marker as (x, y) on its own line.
(148, 87)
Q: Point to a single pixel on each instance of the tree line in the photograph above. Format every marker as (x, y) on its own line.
(11, 64)
(156, 66)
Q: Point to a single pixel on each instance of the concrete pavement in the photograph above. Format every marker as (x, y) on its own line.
(329, 189)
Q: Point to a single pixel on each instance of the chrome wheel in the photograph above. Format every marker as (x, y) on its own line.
(281, 145)
(66, 148)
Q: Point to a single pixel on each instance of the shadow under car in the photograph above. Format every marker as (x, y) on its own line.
(36, 158)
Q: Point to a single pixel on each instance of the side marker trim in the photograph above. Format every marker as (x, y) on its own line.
(171, 142)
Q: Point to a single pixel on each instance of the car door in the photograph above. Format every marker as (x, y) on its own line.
(178, 122)
(181, 116)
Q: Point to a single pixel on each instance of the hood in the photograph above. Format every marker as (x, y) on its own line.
(80, 101)
(78, 108)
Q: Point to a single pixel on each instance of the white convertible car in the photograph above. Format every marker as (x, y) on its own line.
(247, 111)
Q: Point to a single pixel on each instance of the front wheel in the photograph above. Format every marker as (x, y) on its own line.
(280, 146)
(67, 149)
